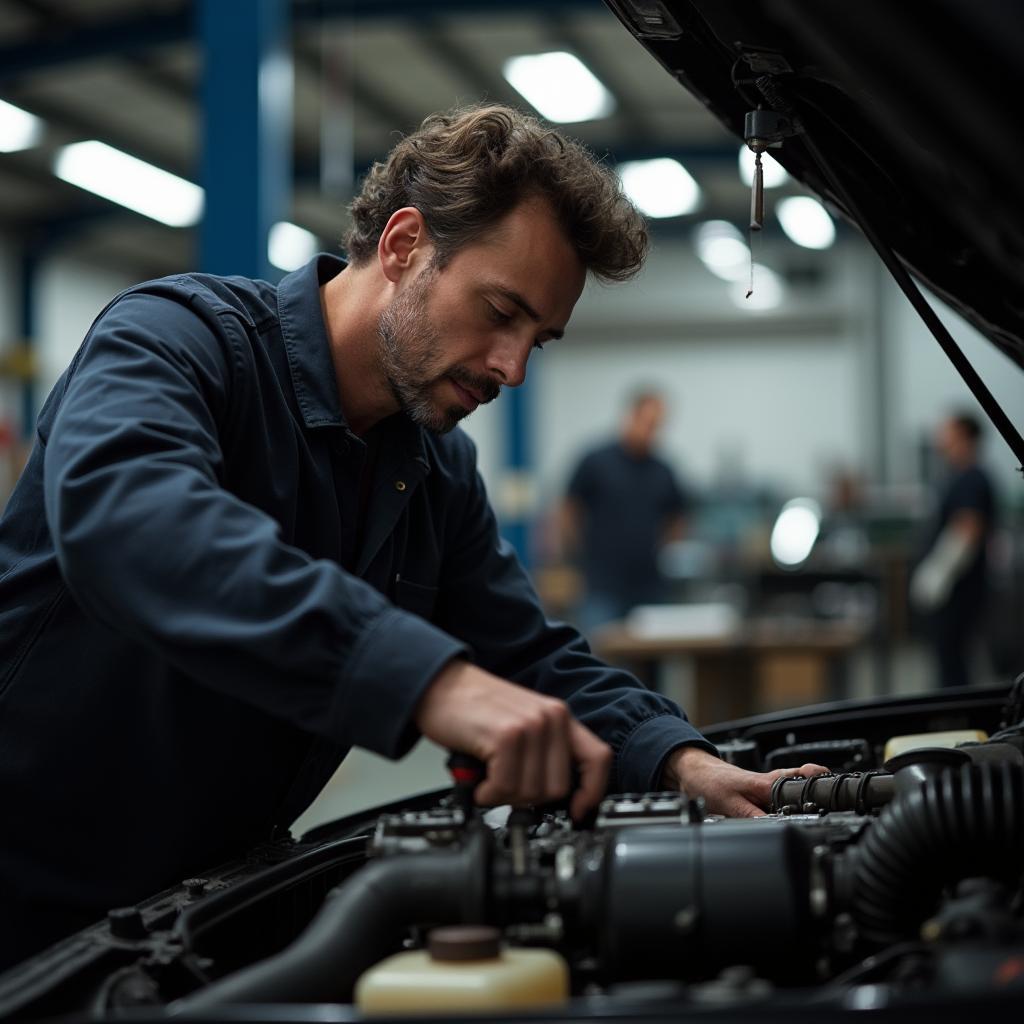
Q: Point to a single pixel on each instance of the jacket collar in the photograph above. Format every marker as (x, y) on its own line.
(309, 355)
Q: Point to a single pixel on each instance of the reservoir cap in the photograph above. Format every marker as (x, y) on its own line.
(464, 942)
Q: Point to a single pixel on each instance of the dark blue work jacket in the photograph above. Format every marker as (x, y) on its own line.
(196, 620)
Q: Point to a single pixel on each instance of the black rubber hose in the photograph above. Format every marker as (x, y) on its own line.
(361, 922)
(862, 792)
(963, 823)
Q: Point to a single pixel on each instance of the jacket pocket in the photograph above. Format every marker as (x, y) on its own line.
(415, 597)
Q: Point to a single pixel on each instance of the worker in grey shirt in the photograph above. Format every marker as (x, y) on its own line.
(248, 539)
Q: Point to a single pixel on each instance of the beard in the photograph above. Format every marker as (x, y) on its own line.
(410, 358)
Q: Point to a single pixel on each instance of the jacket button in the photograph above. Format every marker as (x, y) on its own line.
(399, 485)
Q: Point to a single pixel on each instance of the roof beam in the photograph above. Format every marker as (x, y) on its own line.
(71, 43)
(63, 43)
(485, 80)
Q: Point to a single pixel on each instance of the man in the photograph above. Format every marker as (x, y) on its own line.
(247, 539)
(950, 584)
(623, 504)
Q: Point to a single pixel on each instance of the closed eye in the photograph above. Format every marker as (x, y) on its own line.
(497, 315)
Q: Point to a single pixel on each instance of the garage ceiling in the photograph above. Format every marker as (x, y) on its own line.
(127, 72)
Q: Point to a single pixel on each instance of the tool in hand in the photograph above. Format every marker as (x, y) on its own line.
(467, 773)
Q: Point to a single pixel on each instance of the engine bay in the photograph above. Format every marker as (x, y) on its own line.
(892, 882)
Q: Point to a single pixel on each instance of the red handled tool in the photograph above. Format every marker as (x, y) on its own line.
(467, 773)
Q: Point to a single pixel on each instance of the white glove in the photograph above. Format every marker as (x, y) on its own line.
(933, 579)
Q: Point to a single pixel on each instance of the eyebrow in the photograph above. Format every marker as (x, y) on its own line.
(518, 300)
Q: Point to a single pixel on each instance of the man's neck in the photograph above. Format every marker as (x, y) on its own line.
(350, 304)
(637, 449)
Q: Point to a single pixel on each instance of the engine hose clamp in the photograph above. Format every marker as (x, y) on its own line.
(862, 788)
(807, 790)
(837, 785)
(775, 795)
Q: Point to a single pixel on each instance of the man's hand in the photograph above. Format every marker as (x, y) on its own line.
(528, 742)
(726, 789)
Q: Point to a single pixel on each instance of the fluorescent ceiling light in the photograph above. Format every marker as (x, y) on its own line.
(560, 86)
(130, 182)
(723, 250)
(18, 128)
(773, 172)
(289, 246)
(795, 532)
(767, 293)
(806, 222)
(661, 187)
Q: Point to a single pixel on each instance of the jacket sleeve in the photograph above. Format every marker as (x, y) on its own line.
(151, 543)
(487, 600)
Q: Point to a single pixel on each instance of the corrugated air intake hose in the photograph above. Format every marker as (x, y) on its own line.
(962, 823)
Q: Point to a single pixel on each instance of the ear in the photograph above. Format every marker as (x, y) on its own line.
(404, 244)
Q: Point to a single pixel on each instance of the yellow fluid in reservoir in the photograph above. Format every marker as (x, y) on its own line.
(414, 982)
(951, 738)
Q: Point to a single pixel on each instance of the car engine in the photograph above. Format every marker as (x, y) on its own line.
(892, 881)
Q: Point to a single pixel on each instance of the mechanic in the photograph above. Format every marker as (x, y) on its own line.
(623, 504)
(248, 539)
(950, 583)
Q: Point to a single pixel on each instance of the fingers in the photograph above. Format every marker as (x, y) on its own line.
(594, 760)
(558, 757)
(528, 742)
(529, 759)
(741, 807)
(504, 768)
(805, 770)
(727, 789)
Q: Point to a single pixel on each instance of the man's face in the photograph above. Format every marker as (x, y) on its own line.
(453, 337)
(650, 415)
(953, 444)
(642, 424)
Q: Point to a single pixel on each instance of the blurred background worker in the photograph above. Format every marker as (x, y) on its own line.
(623, 504)
(950, 583)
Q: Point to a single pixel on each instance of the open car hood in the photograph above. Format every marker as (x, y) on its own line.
(915, 108)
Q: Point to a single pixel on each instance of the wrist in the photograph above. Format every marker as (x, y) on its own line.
(449, 678)
(680, 763)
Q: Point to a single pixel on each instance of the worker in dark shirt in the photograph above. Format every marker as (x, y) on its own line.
(623, 504)
(248, 539)
(949, 585)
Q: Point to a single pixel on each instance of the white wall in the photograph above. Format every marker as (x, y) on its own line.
(924, 386)
(70, 296)
(787, 389)
(791, 390)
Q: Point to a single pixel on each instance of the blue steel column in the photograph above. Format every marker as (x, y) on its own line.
(517, 504)
(247, 137)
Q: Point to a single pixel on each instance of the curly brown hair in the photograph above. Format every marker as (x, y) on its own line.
(466, 169)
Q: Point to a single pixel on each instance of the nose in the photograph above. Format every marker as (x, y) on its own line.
(506, 361)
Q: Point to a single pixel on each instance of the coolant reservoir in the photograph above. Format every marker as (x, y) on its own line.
(464, 968)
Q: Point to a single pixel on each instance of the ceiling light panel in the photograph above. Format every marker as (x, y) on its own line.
(806, 222)
(723, 250)
(773, 172)
(660, 188)
(559, 86)
(289, 246)
(765, 291)
(18, 128)
(130, 182)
